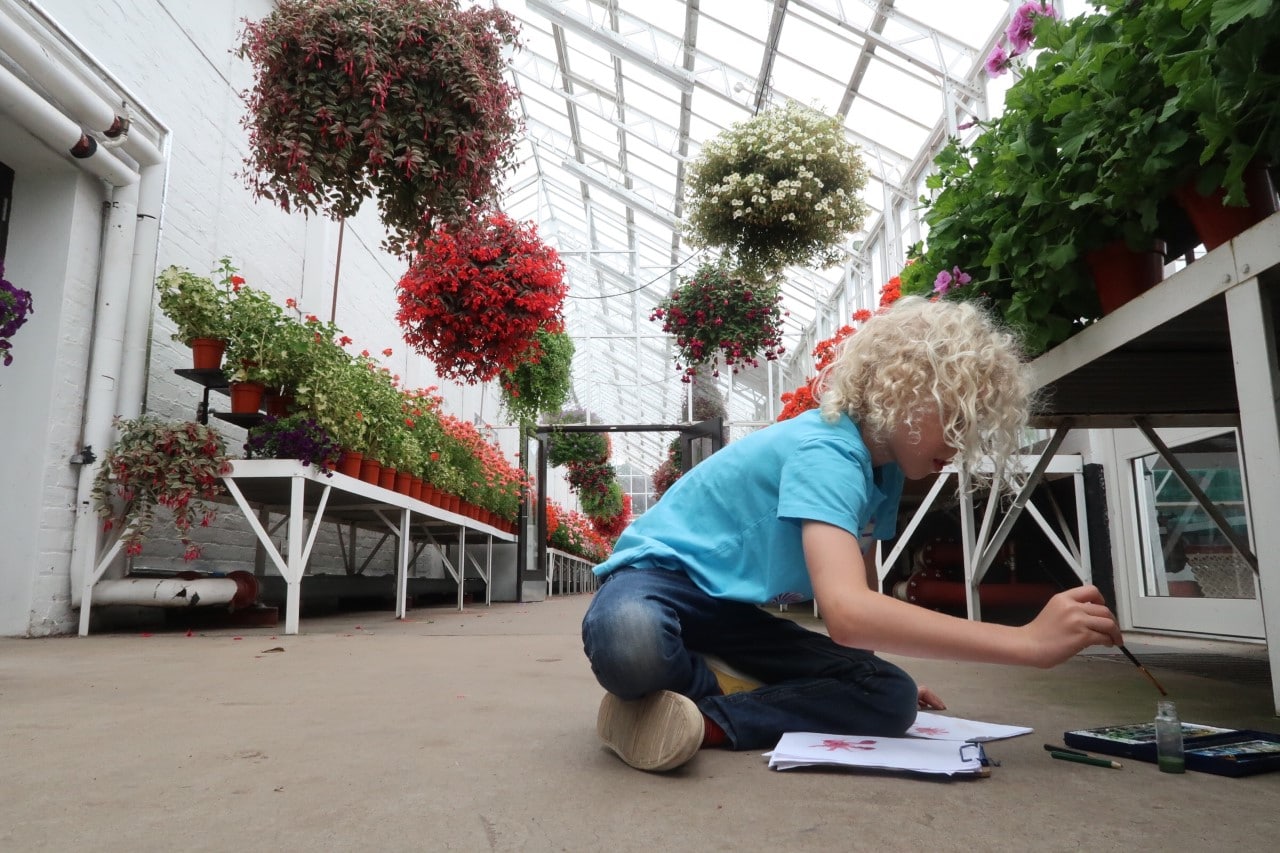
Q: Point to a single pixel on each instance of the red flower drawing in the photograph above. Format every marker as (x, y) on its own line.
(832, 744)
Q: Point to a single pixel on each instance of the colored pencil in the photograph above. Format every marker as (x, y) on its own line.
(1086, 759)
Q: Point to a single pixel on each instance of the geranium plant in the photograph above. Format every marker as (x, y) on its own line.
(716, 315)
(153, 463)
(405, 101)
(477, 294)
(15, 307)
(780, 188)
(197, 304)
(824, 353)
(293, 437)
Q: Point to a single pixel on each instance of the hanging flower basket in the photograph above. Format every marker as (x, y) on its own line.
(716, 315)
(780, 188)
(477, 295)
(402, 101)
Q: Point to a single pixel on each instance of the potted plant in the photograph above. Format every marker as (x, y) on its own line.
(540, 382)
(198, 307)
(779, 188)
(293, 437)
(716, 315)
(329, 392)
(477, 294)
(403, 101)
(1220, 73)
(254, 333)
(15, 307)
(153, 463)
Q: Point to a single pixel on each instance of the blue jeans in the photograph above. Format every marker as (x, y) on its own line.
(645, 631)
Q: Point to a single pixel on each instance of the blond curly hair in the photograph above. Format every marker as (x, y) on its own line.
(920, 357)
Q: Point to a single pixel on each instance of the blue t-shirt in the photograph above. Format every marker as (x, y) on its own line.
(733, 522)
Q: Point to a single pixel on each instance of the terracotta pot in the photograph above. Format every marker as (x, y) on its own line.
(388, 479)
(1216, 222)
(246, 397)
(349, 463)
(415, 488)
(370, 470)
(206, 353)
(277, 404)
(403, 480)
(1120, 273)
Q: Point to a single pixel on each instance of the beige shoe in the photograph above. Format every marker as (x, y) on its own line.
(659, 732)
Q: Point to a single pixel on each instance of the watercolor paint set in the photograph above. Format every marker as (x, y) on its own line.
(1209, 749)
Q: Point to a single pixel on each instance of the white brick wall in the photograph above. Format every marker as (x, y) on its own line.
(175, 59)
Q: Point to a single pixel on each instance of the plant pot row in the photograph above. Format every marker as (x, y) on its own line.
(1121, 273)
(355, 464)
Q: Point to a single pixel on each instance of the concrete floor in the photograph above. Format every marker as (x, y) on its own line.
(474, 730)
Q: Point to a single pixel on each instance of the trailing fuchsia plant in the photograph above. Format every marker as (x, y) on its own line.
(404, 100)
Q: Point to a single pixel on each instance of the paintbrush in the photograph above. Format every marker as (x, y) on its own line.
(1144, 670)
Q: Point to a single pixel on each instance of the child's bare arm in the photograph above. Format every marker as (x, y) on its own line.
(856, 615)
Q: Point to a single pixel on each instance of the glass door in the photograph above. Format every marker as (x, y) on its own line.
(1191, 579)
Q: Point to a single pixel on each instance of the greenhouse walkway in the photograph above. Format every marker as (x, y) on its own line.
(474, 730)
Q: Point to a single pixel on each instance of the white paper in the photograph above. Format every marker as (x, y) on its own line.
(939, 727)
(808, 749)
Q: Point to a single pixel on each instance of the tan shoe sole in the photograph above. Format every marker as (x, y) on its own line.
(659, 732)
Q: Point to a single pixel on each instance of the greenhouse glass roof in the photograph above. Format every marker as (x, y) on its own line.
(618, 95)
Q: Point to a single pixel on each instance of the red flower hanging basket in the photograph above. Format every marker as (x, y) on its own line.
(476, 295)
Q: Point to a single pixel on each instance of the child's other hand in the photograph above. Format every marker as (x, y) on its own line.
(1072, 621)
(930, 701)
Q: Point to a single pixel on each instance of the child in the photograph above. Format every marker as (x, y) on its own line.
(776, 517)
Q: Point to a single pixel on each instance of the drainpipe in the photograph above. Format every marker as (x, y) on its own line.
(105, 357)
(238, 589)
(43, 120)
(137, 330)
(79, 102)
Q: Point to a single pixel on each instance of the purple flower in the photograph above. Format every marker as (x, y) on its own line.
(997, 61)
(1022, 23)
(942, 283)
(950, 280)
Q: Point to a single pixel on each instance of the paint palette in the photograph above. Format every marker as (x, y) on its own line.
(1209, 749)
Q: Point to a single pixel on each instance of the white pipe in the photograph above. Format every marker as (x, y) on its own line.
(105, 359)
(32, 58)
(133, 371)
(85, 105)
(42, 119)
(165, 592)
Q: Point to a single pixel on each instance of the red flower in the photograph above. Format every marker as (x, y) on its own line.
(291, 303)
(344, 341)
(477, 294)
(387, 351)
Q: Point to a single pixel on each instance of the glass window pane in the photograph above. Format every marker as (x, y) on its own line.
(1184, 553)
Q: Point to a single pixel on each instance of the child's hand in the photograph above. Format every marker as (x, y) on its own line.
(1072, 621)
(930, 701)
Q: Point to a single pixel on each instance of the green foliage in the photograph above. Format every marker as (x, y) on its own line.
(567, 448)
(780, 188)
(196, 304)
(541, 383)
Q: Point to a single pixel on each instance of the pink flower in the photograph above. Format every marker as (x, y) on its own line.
(997, 61)
(950, 280)
(1022, 24)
